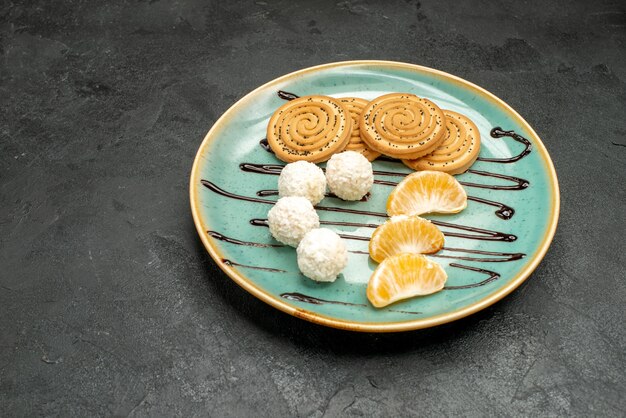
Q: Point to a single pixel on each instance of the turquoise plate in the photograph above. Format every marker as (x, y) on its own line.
(491, 247)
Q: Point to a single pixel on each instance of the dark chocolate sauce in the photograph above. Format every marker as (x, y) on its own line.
(259, 222)
(504, 257)
(483, 234)
(285, 95)
(352, 211)
(492, 277)
(211, 186)
(263, 222)
(388, 159)
(274, 192)
(497, 132)
(390, 173)
(521, 184)
(480, 234)
(265, 145)
(386, 183)
(299, 297)
(504, 212)
(224, 238)
(274, 169)
(232, 263)
(355, 224)
(354, 237)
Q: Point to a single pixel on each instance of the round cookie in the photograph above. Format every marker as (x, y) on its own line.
(309, 128)
(355, 106)
(457, 152)
(402, 125)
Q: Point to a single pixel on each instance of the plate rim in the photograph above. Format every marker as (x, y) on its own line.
(325, 320)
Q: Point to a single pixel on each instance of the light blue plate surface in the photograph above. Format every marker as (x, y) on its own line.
(476, 280)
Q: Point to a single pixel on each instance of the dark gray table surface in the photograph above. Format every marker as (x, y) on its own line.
(110, 305)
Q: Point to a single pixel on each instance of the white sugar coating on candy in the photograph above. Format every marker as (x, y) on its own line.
(349, 175)
(322, 255)
(291, 218)
(302, 178)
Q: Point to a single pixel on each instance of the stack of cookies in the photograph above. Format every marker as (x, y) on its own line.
(399, 125)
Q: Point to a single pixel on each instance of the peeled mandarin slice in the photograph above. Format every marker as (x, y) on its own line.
(427, 192)
(405, 234)
(404, 276)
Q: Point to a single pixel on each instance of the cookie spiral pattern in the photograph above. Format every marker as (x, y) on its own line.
(457, 152)
(310, 128)
(402, 125)
(355, 106)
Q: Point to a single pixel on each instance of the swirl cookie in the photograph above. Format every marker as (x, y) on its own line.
(355, 107)
(402, 125)
(457, 152)
(309, 128)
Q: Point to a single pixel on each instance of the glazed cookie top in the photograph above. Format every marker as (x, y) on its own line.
(309, 128)
(458, 150)
(402, 125)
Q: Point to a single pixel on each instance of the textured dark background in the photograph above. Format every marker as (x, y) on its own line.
(109, 304)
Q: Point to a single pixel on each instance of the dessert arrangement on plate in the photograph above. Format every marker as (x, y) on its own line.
(349, 133)
(386, 198)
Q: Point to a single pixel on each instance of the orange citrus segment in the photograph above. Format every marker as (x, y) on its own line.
(405, 234)
(427, 192)
(404, 276)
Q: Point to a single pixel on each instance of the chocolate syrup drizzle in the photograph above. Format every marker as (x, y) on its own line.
(211, 186)
(503, 212)
(504, 257)
(492, 277)
(507, 257)
(285, 95)
(224, 238)
(299, 297)
(479, 233)
(232, 263)
(274, 169)
(274, 192)
(520, 184)
(498, 132)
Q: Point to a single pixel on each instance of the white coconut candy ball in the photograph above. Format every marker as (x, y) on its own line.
(291, 218)
(302, 178)
(349, 175)
(322, 255)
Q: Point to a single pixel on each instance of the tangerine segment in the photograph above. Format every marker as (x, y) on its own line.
(427, 192)
(405, 234)
(404, 276)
